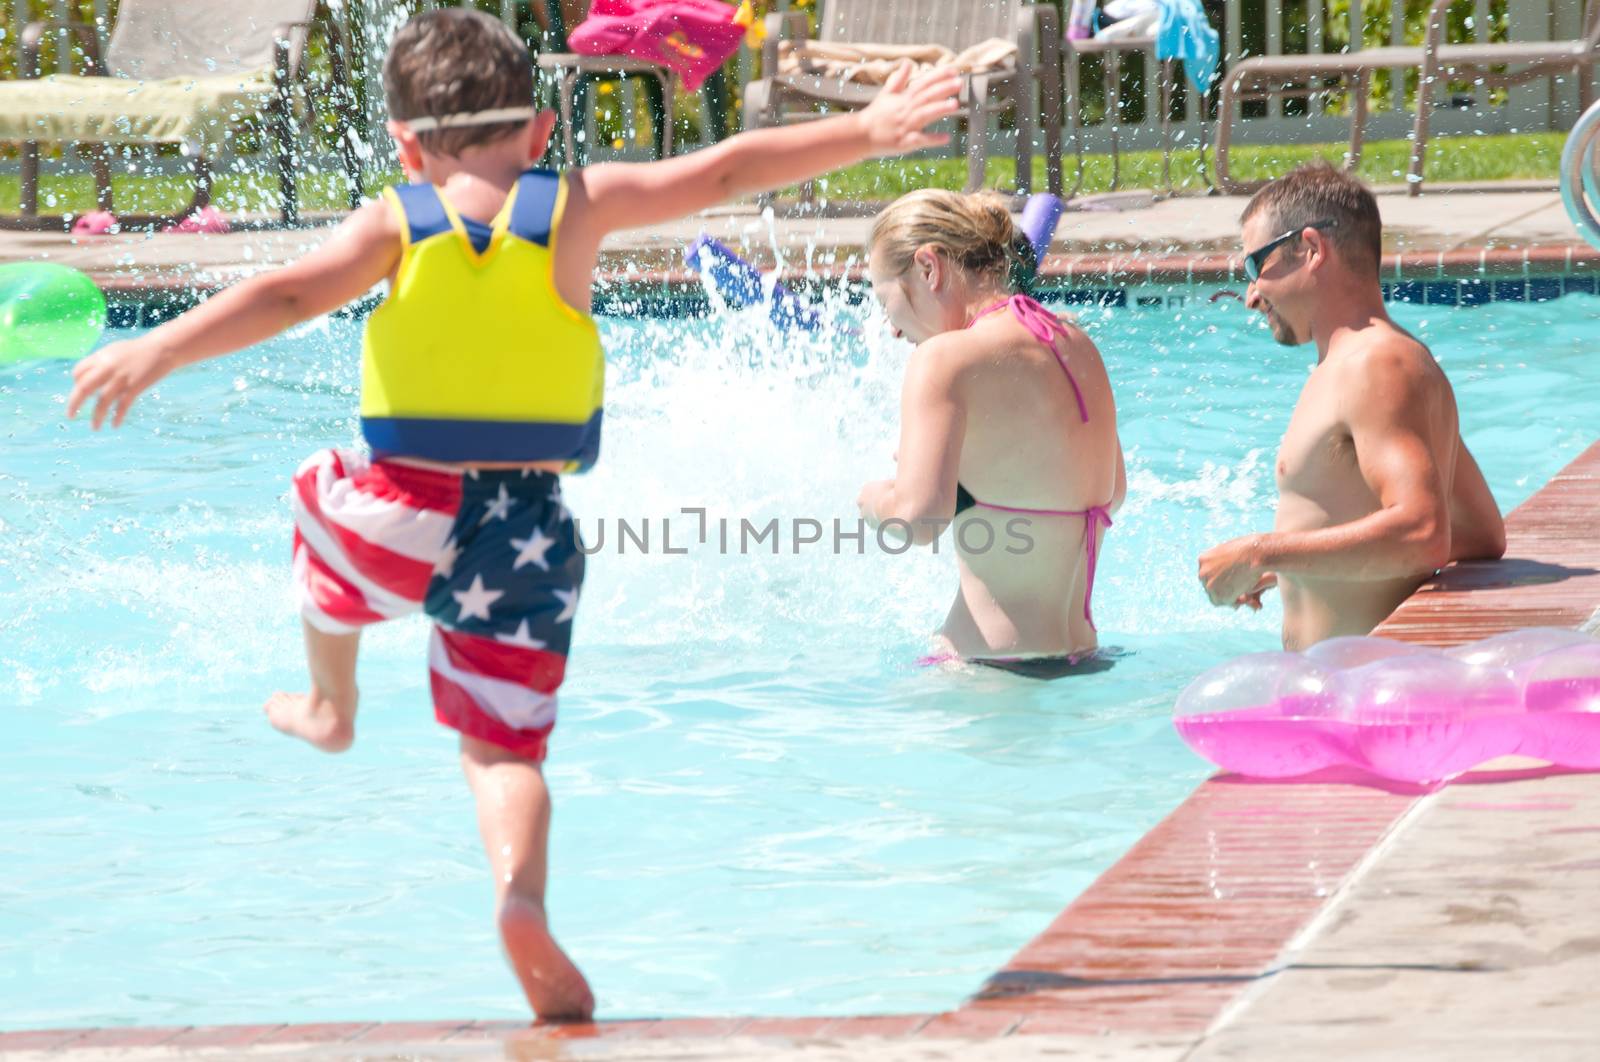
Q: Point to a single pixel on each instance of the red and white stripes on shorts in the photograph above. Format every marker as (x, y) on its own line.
(379, 540)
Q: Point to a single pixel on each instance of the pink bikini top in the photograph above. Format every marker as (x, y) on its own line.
(1043, 326)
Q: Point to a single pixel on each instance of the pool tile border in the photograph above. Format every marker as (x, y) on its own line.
(1204, 906)
(1465, 277)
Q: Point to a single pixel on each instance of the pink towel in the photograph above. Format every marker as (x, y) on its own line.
(691, 37)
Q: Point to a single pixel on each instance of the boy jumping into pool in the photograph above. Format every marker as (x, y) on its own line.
(482, 377)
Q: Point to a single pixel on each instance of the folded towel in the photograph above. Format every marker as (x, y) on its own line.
(1120, 9)
(692, 37)
(871, 64)
(1142, 24)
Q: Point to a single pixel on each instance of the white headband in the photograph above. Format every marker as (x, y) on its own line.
(452, 121)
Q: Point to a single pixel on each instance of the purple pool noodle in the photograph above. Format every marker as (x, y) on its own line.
(740, 283)
(1040, 215)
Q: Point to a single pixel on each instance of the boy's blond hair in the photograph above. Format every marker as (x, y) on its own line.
(456, 61)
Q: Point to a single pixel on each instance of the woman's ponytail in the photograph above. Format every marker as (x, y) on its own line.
(975, 232)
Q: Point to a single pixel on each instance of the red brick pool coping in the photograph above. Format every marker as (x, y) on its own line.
(1100, 270)
(1202, 907)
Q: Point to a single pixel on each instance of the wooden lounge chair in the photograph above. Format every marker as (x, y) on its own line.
(778, 99)
(1437, 61)
(177, 72)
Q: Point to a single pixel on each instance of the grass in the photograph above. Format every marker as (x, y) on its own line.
(1527, 156)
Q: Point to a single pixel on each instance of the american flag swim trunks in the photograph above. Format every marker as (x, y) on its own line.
(491, 557)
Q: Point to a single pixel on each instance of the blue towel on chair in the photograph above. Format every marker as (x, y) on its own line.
(1185, 33)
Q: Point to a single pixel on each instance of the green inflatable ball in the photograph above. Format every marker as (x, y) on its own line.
(47, 311)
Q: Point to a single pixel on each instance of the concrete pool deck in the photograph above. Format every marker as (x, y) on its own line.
(1321, 919)
(1507, 228)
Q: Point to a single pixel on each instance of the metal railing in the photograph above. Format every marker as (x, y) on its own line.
(1375, 23)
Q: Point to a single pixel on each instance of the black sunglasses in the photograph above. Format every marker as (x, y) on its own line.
(1258, 257)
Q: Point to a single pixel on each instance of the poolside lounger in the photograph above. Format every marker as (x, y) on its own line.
(175, 72)
(1436, 60)
(876, 30)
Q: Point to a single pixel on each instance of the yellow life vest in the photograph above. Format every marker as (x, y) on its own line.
(474, 357)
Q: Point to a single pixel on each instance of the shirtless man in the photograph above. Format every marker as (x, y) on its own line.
(1376, 489)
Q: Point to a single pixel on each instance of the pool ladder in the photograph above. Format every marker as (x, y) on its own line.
(1580, 175)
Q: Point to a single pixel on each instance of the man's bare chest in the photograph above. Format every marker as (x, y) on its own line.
(1317, 456)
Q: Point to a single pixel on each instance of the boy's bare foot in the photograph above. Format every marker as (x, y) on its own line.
(555, 988)
(314, 718)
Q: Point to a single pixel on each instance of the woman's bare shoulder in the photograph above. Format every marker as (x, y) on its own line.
(952, 351)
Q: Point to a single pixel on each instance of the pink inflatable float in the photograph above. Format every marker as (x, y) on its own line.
(1400, 711)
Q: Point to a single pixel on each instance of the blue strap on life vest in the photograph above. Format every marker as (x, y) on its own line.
(533, 212)
(425, 214)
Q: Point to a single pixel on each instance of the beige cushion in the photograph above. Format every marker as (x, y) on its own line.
(196, 110)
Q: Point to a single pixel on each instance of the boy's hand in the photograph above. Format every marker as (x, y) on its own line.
(118, 373)
(899, 114)
(613, 196)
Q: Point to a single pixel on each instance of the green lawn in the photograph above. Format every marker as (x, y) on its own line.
(1485, 158)
(1528, 156)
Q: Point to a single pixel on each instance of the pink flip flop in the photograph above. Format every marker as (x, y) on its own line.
(96, 223)
(206, 219)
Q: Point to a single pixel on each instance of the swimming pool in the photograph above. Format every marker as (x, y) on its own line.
(761, 805)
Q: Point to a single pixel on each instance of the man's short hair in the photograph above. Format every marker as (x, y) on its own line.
(456, 61)
(1317, 191)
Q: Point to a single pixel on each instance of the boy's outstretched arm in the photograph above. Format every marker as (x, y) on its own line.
(621, 196)
(362, 251)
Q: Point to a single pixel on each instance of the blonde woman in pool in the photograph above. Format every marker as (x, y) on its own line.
(1008, 435)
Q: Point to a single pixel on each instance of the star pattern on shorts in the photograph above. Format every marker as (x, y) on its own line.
(521, 638)
(532, 550)
(499, 508)
(569, 602)
(476, 599)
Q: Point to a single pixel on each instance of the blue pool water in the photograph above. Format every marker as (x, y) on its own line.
(762, 806)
